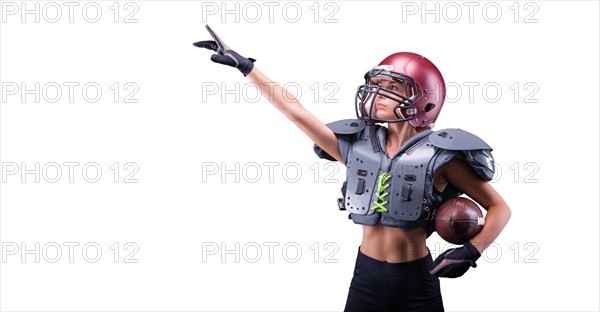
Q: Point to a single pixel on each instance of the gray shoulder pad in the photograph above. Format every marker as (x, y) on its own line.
(457, 140)
(347, 126)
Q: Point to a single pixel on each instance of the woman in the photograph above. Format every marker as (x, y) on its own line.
(396, 177)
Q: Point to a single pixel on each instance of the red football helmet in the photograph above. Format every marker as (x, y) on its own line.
(424, 89)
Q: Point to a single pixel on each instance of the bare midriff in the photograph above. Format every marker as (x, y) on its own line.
(393, 245)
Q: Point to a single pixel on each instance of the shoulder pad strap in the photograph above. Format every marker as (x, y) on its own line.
(347, 126)
(457, 140)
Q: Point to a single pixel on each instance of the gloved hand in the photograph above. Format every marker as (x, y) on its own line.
(455, 262)
(225, 55)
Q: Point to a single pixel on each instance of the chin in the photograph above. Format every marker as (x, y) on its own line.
(386, 116)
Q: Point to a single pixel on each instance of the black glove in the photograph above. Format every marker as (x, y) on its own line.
(455, 262)
(225, 55)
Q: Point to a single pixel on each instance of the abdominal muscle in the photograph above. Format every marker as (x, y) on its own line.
(392, 244)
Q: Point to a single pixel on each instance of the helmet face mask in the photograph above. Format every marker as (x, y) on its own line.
(420, 90)
(368, 93)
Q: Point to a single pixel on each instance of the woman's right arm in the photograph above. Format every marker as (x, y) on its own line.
(284, 101)
(287, 103)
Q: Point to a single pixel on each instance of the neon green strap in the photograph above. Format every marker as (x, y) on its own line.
(381, 186)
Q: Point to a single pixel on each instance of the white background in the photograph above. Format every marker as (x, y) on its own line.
(545, 145)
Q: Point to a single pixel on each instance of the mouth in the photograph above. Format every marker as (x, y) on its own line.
(379, 105)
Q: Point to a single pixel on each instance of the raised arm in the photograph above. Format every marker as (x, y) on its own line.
(283, 100)
(287, 104)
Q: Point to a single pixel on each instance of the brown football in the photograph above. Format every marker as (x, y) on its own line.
(458, 220)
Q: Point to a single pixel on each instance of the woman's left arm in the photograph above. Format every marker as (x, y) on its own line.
(458, 173)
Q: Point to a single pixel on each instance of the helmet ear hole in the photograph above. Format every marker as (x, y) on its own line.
(429, 107)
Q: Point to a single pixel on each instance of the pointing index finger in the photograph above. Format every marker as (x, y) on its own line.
(222, 47)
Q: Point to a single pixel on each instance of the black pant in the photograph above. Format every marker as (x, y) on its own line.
(381, 286)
